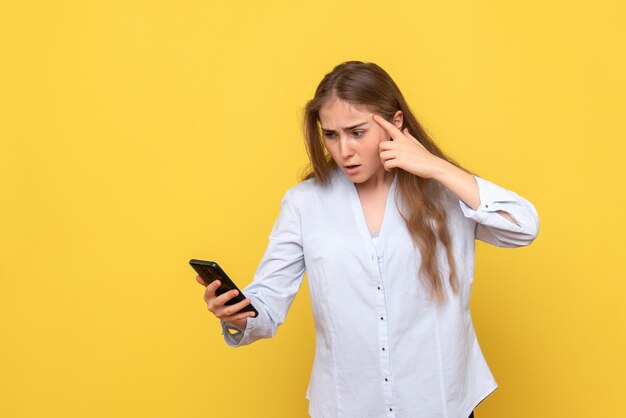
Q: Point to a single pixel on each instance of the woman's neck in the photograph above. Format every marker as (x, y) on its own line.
(380, 181)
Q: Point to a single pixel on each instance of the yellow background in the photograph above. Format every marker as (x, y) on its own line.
(136, 135)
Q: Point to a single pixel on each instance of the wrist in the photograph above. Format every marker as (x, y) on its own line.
(239, 323)
(442, 169)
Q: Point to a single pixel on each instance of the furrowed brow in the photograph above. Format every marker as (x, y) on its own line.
(349, 128)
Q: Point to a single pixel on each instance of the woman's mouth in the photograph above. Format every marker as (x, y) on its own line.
(352, 168)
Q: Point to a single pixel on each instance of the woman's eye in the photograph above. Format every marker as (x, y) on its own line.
(359, 133)
(329, 134)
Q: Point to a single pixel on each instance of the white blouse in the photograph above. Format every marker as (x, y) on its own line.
(383, 348)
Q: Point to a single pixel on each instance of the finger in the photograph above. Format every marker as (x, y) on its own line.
(209, 293)
(390, 164)
(202, 282)
(387, 145)
(388, 126)
(225, 297)
(233, 310)
(386, 156)
(230, 310)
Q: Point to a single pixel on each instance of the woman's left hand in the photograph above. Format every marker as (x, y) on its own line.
(405, 152)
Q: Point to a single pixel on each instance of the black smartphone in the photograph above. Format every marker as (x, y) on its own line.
(211, 271)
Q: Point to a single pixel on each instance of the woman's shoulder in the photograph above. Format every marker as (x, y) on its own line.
(309, 188)
(304, 189)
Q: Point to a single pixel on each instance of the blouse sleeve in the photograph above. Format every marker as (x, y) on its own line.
(276, 281)
(492, 227)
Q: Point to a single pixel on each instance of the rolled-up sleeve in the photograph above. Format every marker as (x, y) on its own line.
(277, 279)
(492, 227)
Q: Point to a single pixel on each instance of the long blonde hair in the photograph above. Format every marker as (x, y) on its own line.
(423, 207)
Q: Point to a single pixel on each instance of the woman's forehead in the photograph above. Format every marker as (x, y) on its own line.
(341, 110)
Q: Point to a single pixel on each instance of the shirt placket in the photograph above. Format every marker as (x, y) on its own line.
(383, 340)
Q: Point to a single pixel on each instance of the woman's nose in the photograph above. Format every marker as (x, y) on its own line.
(345, 147)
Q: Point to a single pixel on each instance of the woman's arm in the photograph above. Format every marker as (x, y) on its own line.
(276, 281)
(462, 184)
(503, 217)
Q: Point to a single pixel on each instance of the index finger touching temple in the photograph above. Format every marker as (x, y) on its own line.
(388, 126)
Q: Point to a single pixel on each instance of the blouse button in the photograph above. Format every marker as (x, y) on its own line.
(378, 287)
(386, 380)
(382, 318)
(383, 348)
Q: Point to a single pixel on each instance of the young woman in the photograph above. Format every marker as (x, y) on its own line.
(384, 224)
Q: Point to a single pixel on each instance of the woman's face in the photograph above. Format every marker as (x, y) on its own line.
(351, 137)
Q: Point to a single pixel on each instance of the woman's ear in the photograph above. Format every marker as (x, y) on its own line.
(398, 119)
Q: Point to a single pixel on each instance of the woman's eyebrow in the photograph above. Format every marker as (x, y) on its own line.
(349, 128)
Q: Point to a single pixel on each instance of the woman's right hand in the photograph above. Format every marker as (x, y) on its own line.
(217, 304)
